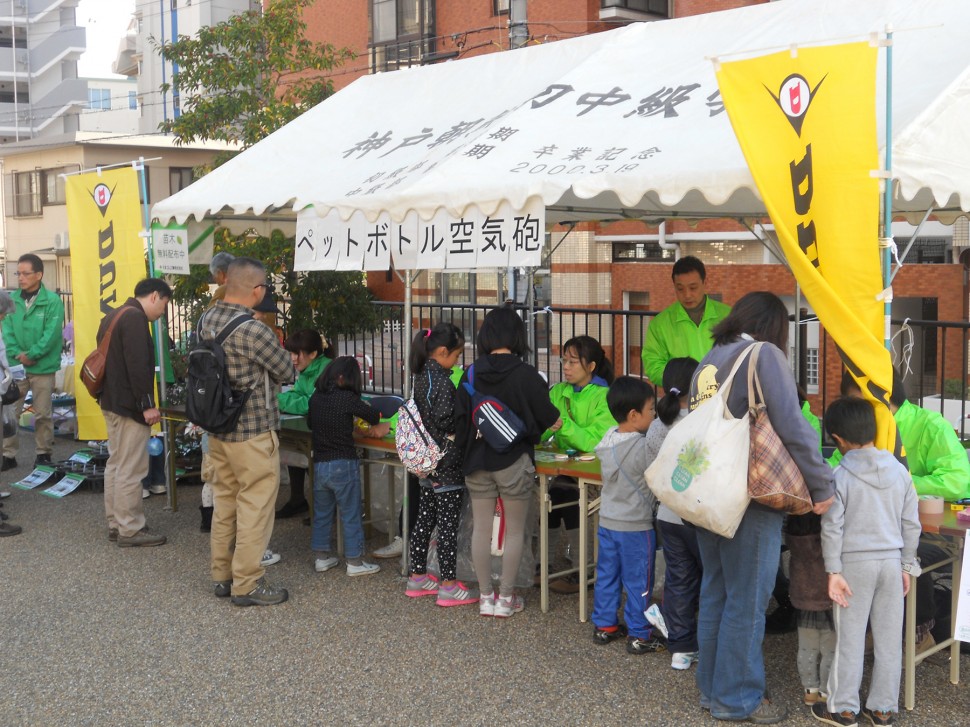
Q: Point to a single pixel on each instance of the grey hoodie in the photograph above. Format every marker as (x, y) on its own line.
(875, 515)
(627, 503)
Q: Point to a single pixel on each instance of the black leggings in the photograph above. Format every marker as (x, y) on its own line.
(444, 510)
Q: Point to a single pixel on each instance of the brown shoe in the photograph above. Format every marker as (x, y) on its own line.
(6, 529)
(141, 539)
(113, 535)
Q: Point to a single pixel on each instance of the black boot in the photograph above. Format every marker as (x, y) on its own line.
(297, 504)
(206, 526)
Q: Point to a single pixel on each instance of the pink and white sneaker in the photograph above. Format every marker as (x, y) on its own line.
(426, 585)
(456, 595)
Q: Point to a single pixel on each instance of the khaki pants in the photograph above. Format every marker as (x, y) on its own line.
(244, 498)
(43, 387)
(127, 466)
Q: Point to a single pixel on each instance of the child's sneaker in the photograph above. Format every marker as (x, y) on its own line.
(820, 711)
(364, 569)
(682, 660)
(486, 604)
(878, 718)
(270, 558)
(638, 646)
(609, 635)
(426, 585)
(456, 595)
(656, 619)
(812, 696)
(322, 565)
(506, 606)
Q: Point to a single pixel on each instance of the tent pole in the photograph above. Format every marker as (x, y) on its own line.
(887, 211)
(409, 277)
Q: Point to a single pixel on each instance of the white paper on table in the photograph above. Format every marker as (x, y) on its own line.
(961, 630)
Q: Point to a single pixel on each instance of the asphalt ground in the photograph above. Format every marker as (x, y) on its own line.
(93, 634)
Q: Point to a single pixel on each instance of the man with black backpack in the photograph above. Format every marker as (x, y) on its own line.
(128, 404)
(245, 454)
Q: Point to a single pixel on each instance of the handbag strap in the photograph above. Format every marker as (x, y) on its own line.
(106, 341)
(725, 388)
(754, 382)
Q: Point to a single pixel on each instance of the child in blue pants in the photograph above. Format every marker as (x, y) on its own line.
(627, 542)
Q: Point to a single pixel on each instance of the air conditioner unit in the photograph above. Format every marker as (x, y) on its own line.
(62, 241)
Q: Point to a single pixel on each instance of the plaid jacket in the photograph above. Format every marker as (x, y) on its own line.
(252, 351)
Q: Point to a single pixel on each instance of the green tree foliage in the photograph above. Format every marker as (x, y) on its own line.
(240, 81)
(244, 78)
(335, 303)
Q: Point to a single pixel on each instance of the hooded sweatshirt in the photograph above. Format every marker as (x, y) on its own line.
(517, 385)
(875, 514)
(627, 503)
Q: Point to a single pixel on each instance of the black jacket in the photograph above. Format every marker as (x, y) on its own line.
(518, 386)
(129, 373)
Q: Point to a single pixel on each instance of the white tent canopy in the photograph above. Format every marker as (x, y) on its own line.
(625, 123)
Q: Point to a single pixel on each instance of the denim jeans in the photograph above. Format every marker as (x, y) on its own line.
(336, 484)
(682, 585)
(739, 574)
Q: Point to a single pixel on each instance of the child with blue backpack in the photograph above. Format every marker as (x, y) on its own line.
(434, 352)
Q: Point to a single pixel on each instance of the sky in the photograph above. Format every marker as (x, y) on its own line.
(106, 22)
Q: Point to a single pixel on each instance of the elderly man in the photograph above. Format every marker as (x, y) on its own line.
(129, 408)
(683, 329)
(32, 334)
(247, 459)
(219, 268)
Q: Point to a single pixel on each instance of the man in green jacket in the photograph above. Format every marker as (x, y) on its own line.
(683, 329)
(33, 336)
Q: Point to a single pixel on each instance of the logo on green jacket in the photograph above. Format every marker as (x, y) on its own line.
(691, 462)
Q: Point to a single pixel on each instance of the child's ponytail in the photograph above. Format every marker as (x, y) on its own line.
(427, 340)
(677, 377)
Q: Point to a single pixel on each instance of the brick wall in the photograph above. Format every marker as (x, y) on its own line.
(697, 7)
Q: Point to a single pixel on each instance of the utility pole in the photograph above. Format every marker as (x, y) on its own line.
(518, 28)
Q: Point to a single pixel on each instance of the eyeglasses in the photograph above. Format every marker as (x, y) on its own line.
(569, 361)
(24, 275)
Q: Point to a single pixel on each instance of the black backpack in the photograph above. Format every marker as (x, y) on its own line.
(210, 400)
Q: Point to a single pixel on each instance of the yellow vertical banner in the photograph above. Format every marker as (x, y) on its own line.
(806, 122)
(107, 260)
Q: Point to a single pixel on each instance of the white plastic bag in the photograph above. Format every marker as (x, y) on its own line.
(701, 471)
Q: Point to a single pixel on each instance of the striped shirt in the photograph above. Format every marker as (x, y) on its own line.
(252, 351)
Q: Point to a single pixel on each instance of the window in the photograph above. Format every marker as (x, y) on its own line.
(132, 100)
(653, 7)
(54, 185)
(811, 368)
(401, 33)
(500, 7)
(99, 98)
(179, 178)
(26, 200)
(639, 252)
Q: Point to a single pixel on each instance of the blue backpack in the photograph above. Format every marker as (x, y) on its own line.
(499, 426)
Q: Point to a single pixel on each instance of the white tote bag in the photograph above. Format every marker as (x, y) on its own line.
(701, 471)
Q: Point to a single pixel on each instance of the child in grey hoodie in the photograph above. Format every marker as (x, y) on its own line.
(627, 542)
(869, 539)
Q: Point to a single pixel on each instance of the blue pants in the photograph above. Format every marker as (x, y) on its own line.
(739, 574)
(625, 564)
(682, 585)
(336, 485)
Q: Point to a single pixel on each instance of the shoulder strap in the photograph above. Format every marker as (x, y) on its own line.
(106, 341)
(754, 383)
(726, 386)
(231, 326)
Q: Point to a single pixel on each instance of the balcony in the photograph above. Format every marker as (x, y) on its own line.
(632, 11)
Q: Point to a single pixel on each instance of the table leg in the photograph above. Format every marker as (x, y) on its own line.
(544, 505)
(583, 555)
(954, 600)
(168, 432)
(909, 648)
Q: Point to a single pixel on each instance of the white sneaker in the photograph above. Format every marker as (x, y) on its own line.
(506, 606)
(486, 604)
(656, 620)
(364, 569)
(682, 660)
(324, 564)
(158, 489)
(4, 495)
(270, 558)
(394, 549)
(145, 494)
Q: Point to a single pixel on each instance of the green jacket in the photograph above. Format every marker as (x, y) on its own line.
(672, 334)
(585, 415)
(937, 461)
(297, 399)
(38, 332)
(813, 420)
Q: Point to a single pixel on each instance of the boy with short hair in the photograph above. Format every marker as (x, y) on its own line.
(869, 539)
(627, 542)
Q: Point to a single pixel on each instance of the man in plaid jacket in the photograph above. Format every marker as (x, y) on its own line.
(247, 460)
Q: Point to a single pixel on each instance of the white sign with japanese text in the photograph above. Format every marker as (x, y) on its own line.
(170, 249)
(507, 238)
